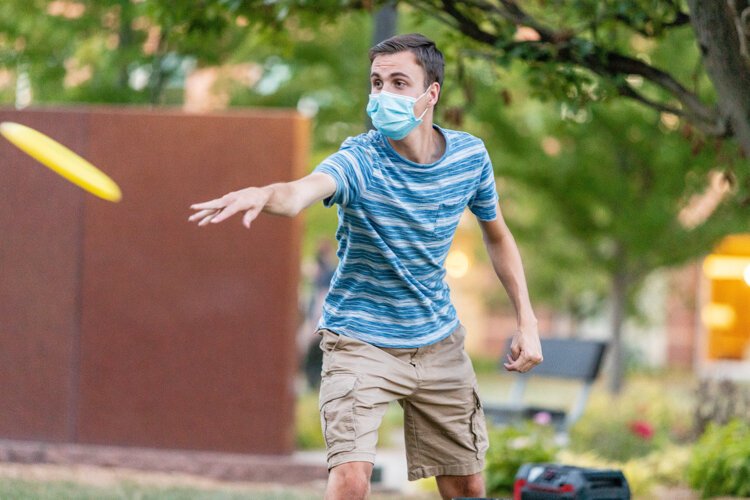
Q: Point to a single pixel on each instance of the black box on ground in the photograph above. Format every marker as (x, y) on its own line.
(553, 481)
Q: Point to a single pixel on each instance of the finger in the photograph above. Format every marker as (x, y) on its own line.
(225, 214)
(522, 364)
(201, 214)
(249, 217)
(510, 365)
(529, 362)
(208, 218)
(218, 203)
(515, 351)
(516, 348)
(516, 368)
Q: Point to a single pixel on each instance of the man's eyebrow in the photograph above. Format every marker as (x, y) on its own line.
(395, 74)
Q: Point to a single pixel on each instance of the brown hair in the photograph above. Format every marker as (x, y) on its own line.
(427, 54)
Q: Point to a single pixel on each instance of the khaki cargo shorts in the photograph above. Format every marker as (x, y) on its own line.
(444, 426)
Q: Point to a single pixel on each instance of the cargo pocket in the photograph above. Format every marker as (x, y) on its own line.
(329, 340)
(337, 412)
(479, 427)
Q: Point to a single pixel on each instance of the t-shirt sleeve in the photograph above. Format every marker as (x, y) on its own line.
(483, 203)
(351, 168)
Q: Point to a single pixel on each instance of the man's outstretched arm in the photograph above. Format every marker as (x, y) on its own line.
(526, 350)
(284, 198)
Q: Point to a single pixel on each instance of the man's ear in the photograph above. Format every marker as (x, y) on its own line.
(434, 93)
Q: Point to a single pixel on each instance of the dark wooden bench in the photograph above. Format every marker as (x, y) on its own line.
(572, 359)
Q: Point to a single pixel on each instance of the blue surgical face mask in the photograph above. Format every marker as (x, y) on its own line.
(393, 114)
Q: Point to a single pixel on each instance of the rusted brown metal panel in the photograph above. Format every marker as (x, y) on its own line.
(40, 260)
(186, 333)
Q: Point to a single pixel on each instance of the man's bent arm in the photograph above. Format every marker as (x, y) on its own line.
(284, 198)
(501, 247)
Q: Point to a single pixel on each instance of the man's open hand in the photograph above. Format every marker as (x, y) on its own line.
(250, 200)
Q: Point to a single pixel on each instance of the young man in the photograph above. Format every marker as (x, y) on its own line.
(389, 331)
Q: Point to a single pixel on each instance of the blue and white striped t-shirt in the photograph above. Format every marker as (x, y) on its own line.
(397, 219)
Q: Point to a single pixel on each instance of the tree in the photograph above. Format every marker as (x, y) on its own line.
(610, 185)
(582, 48)
(577, 51)
(72, 51)
(122, 50)
(583, 52)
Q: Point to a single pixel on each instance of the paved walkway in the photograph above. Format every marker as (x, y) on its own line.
(285, 469)
(390, 465)
(300, 468)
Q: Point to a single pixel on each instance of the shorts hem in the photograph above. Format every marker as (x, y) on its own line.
(465, 469)
(344, 457)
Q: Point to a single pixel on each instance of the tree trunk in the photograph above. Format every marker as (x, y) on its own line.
(157, 80)
(714, 23)
(126, 42)
(158, 76)
(619, 301)
(384, 27)
(386, 18)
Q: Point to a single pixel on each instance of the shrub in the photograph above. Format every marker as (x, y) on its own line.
(667, 466)
(631, 425)
(664, 467)
(511, 447)
(720, 462)
(615, 434)
(720, 401)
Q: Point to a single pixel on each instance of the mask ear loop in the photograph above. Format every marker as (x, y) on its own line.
(425, 109)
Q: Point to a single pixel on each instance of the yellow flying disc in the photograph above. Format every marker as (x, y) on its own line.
(62, 160)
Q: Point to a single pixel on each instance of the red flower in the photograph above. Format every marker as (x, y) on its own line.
(642, 429)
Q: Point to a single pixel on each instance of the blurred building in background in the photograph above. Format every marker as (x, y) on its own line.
(724, 349)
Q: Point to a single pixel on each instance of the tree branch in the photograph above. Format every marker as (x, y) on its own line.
(626, 90)
(559, 46)
(466, 25)
(435, 12)
(612, 64)
(513, 13)
(680, 19)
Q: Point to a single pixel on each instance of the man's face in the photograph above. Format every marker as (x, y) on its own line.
(397, 73)
(400, 73)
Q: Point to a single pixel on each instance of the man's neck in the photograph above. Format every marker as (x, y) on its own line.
(423, 145)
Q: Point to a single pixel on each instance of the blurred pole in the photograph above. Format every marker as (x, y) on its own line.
(127, 42)
(24, 94)
(385, 22)
(386, 18)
